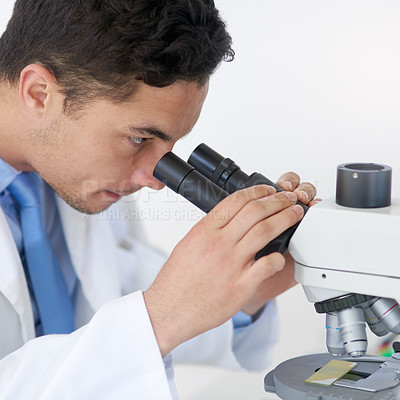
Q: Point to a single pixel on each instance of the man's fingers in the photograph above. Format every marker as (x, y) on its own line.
(224, 211)
(268, 229)
(314, 202)
(258, 210)
(305, 192)
(289, 181)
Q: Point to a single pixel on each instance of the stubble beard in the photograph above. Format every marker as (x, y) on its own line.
(78, 203)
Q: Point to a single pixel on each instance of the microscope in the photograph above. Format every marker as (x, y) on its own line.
(346, 259)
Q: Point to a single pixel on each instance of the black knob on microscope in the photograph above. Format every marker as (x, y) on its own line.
(396, 347)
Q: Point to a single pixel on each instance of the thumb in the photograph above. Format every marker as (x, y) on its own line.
(266, 266)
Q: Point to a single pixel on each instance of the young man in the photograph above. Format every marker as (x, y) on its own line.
(93, 94)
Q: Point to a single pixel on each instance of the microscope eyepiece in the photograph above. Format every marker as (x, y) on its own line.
(205, 160)
(172, 171)
(183, 179)
(223, 171)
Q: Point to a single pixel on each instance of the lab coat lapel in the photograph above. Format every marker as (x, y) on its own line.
(92, 249)
(12, 280)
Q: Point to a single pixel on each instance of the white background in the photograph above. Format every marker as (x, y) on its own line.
(315, 83)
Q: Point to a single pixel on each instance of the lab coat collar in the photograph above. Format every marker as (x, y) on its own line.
(12, 280)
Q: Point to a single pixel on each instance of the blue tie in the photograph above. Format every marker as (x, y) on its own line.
(49, 288)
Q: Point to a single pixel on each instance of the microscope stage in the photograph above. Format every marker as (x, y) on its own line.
(287, 380)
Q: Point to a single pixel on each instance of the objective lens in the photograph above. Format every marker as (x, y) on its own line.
(387, 310)
(374, 322)
(352, 328)
(334, 341)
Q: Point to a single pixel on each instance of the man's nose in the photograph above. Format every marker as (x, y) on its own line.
(143, 173)
(151, 182)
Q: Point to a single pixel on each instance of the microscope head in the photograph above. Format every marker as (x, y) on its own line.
(345, 253)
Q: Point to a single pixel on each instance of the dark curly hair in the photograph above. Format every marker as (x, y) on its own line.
(102, 48)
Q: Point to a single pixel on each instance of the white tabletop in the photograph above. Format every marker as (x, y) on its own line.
(196, 382)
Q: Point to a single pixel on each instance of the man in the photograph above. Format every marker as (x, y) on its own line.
(93, 94)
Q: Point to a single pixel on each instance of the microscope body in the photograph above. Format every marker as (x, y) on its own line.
(340, 251)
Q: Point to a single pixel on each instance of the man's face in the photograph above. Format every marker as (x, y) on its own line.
(112, 149)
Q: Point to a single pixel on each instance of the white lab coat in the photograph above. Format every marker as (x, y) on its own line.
(114, 353)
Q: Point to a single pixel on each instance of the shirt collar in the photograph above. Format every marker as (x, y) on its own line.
(7, 174)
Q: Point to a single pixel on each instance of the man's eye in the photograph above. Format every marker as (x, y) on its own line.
(137, 140)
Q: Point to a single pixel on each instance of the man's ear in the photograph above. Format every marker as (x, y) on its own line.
(37, 89)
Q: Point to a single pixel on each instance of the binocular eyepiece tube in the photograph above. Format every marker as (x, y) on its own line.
(208, 178)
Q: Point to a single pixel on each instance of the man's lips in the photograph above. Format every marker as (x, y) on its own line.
(113, 195)
(119, 194)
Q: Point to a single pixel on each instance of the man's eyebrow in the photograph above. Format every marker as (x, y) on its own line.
(150, 131)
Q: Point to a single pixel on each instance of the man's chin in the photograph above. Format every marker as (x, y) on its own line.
(91, 207)
(91, 210)
(88, 203)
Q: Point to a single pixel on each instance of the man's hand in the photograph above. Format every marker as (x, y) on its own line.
(284, 279)
(211, 274)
